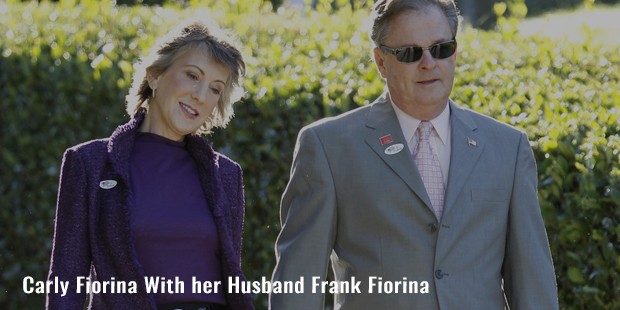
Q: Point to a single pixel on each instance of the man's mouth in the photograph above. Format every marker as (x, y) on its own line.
(426, 82)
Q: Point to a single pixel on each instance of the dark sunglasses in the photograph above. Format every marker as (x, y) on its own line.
(414, 53)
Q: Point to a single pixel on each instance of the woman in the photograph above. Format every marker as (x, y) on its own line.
(154, 202)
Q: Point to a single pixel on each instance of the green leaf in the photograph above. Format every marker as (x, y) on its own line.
(575, 276)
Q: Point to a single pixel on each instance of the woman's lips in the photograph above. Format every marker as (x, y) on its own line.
(189, 111)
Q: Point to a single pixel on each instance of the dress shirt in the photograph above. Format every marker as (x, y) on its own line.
(440, 137)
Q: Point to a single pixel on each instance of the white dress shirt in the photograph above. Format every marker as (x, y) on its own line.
(440, 137)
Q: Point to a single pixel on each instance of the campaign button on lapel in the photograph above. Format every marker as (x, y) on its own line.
(107, 184)
(393, 149)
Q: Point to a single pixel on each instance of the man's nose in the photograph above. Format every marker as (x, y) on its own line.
(427, 60)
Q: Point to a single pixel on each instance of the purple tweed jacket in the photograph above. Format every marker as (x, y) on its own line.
(92, 235)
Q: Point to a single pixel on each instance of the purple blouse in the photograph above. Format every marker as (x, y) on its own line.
(172, 226)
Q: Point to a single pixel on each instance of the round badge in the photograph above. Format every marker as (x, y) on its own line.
(393, 149)
(107, 184)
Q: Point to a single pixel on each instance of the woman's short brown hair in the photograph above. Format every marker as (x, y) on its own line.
(221, 45)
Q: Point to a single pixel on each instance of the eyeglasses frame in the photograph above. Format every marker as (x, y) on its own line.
(395, 50)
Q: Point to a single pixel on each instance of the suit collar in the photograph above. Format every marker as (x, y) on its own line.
(388, 134)
(380, 112)
(462, 114)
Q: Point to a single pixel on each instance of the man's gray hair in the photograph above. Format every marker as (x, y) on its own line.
(385, 11)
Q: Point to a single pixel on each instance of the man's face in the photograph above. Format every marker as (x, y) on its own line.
(420, 88)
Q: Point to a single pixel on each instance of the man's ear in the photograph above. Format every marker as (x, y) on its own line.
(379, 61)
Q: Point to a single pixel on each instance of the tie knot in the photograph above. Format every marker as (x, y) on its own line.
(425, 128)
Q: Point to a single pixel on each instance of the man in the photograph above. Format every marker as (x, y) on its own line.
(414, 190)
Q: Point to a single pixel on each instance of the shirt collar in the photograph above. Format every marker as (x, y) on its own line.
(409, 124)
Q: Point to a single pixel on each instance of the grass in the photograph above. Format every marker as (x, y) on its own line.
(600, 25)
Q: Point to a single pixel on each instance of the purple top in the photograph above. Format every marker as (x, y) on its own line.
(172, 226)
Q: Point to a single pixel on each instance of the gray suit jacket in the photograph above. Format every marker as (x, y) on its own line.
(367, 210)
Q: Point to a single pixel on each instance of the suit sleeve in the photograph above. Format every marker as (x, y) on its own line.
(71, 250)
(308, 217)
(529, 277)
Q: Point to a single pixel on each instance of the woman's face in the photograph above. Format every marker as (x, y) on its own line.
(185, 95)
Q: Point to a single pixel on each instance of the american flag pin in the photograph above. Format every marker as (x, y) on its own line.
(386, 139)
(471, 142)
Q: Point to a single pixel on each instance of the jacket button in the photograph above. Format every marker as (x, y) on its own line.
(438, 274)
(432, 227)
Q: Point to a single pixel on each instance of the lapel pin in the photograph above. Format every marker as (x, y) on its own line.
(393, 149)
(386, 139)
(471, 142)
(107, 184)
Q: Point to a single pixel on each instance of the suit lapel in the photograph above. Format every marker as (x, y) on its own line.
(382, 119)
(466, 147)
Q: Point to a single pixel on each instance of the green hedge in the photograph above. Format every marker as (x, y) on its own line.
(64, 71)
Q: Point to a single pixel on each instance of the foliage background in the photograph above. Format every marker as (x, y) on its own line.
(65, 68)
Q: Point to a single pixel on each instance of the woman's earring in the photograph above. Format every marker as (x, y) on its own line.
(153, 92)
